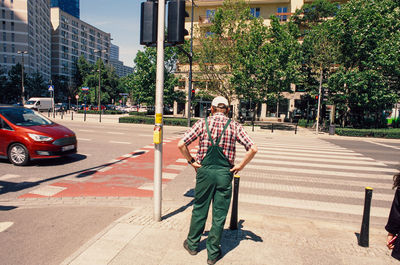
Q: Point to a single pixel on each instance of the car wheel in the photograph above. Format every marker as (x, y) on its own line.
(18, 154)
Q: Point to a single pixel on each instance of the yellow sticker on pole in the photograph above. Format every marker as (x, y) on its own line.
(157, 135)
(158, 118)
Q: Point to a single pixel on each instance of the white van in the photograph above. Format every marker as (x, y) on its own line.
(40, 104)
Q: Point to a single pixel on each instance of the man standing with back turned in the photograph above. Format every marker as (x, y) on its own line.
(215, 167)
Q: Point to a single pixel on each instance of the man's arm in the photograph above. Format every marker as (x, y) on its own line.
(185, 152)
(247, 158)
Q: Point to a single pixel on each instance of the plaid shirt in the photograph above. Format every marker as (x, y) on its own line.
(234, 133)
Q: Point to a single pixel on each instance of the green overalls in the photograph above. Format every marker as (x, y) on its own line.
(213, 183)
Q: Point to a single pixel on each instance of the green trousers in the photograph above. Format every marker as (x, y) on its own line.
(213, 183)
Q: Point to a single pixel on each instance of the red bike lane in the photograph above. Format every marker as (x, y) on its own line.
(130, 175)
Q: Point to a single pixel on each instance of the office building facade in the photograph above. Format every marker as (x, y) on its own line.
(72, 38)
(119, 67)
(25, 34)
(69, 6)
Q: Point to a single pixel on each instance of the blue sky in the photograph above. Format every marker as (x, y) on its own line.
(121, 18)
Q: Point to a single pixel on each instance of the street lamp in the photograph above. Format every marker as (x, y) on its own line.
(22, 77)
(98, 93)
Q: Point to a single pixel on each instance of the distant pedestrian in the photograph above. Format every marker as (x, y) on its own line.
(393, 224)
(215, 167)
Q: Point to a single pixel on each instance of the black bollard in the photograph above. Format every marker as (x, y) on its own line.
(295, 129)
(272, 127)
(364, 234)
(62, 114)
(234, 214)
(72, 116)
(48, 114)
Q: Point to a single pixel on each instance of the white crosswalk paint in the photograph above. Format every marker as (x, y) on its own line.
(300, 151)
(318, 171)
(313, 190)
(48, 190)
(314, 159)
(325, 166)
(84, 139)
(117, 133)
(5, 225)
(181, 160)
(301, 169)
(9, 176)
(116, 142)
(312, 205)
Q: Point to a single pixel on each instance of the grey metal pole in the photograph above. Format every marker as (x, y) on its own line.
(319, 101)
(159, 112)
(22, 77)
(189, 116)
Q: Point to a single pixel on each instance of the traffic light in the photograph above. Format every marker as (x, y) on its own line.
(193, 94)
(176, 22)
(148, 23)
(316, 97)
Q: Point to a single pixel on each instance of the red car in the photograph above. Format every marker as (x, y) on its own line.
(26, 135)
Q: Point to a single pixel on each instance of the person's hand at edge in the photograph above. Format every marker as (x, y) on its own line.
(389, 237)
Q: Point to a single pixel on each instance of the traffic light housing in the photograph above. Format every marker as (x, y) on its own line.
(176, 22)
(316, 97)
(148, 23)
(193, 94)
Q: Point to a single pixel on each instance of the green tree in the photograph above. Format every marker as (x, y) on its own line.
(141, 85)
(36, 86)
(364, 84)
(13, 88)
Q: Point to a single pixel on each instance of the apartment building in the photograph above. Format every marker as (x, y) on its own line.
(72, 38)
(69, 6)
(204, 10)
(25, 35)
(119, 67)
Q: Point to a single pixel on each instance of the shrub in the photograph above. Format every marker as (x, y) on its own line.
(303, 123)
(106, 112)
(141, 119)
(379, 133)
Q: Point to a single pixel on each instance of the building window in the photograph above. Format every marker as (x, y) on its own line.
(5, 59)
(4, 47)
(12, 14)
(12, 26)
(3, 13)
(13, 59)
(4, 25)
(12, 37)
(255, 12)
(282, 13)
(13, 48)
(4, 36)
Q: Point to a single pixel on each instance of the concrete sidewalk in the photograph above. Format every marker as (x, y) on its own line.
(261, 239)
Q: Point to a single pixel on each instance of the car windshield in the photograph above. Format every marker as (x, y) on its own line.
(30, 102)
(24, 117)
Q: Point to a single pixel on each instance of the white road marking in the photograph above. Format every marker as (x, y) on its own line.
(116, 142)
(313, 190)
(83, 130)
(147, 186)
(316, 146)
(318, 172)
(148, 146)
(168, 175)
(84, 139)
(176, 167)
(325, 166)
(315, 159)
(181, 160)
(300, 151)
(48, 190)
(9, 176)
(312, 205)
(104, 169)
(119, 133)
(5, 225)
(385, 145)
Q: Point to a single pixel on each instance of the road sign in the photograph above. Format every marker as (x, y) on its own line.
(85, 89)
(51, 88)
(77, 96)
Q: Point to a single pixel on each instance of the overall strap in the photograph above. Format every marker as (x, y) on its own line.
(223, 131)
(209, 134)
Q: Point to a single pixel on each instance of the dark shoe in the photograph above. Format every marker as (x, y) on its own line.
(213, 261)
(186, 246)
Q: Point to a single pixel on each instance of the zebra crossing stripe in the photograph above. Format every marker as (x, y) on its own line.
(326, 166)
(300, 151)
(315, 159)
(314, 190)
(318, 172)
(318, 147)
(356, 157)
(311, 205)
(377, 184)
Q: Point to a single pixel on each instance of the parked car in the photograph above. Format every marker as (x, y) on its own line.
(26, 135)
(96, 107)
(61, 107)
